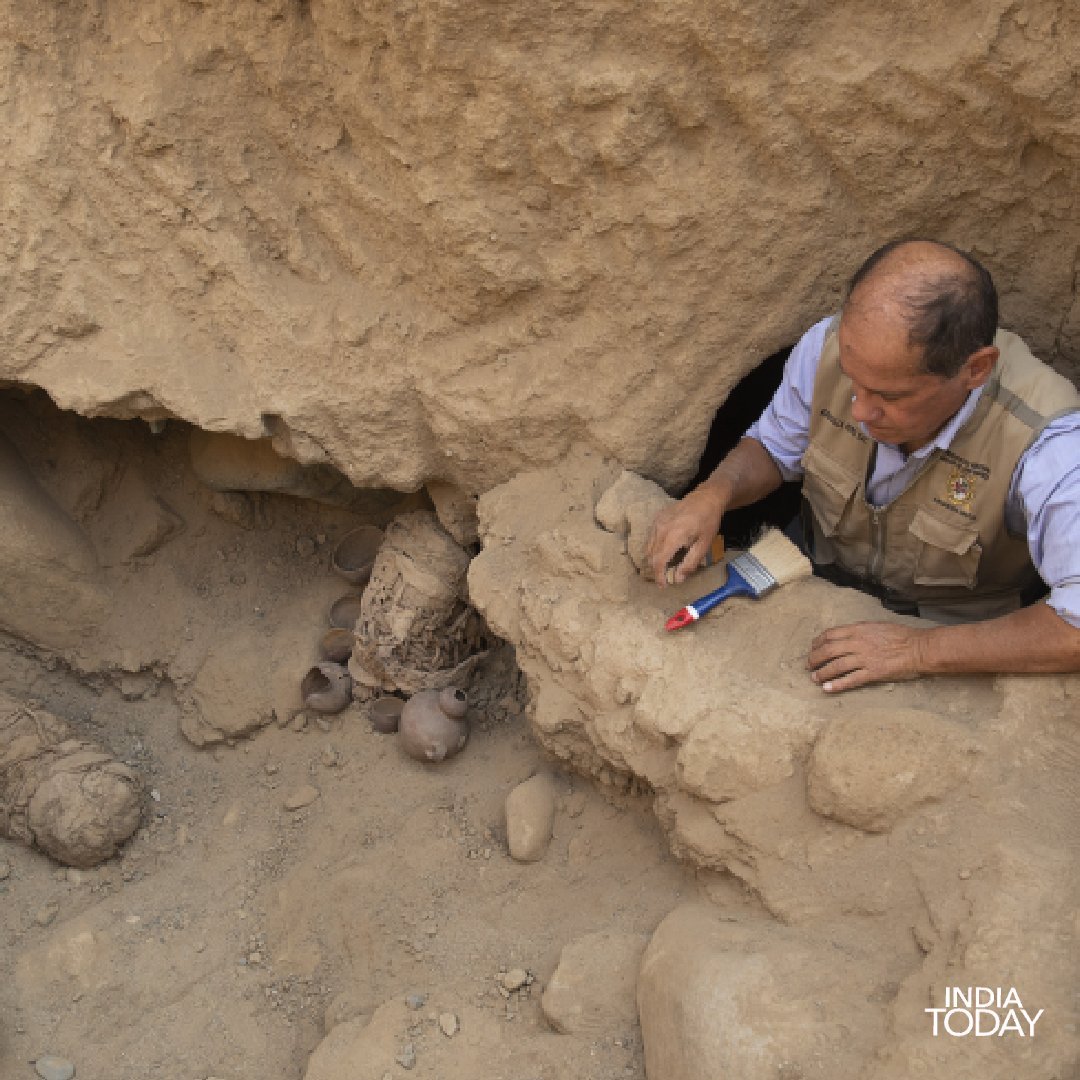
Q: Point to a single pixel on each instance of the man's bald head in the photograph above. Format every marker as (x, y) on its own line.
(943, 296)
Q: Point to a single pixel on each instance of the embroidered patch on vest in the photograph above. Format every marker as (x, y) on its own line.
(960, 488)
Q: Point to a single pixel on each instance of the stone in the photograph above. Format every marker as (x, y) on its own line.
(407, 1058)
(530, 817)
(871, 768)
(514, 979)
(51, 1067)
(592, 991)
(448, 1024)
(300, 797)
(751, 999)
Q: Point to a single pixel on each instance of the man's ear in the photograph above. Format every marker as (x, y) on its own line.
(978, 365)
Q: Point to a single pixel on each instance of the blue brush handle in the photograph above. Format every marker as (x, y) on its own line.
(736, 585)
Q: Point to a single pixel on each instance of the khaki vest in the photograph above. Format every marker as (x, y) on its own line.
(941, 545)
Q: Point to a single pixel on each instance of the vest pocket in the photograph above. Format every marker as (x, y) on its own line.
(948, 553)
(827, 487)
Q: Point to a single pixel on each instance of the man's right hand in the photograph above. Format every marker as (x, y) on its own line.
(691, 523)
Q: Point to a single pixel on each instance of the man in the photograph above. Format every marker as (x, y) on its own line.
(941, 471)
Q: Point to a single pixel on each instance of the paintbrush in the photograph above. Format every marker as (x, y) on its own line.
(773, 560)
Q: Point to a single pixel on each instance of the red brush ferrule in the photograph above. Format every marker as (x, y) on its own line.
(683, 617)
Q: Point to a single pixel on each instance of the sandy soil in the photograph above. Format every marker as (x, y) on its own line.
(232, 934)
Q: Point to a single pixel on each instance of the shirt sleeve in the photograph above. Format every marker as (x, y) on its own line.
(784, 427)
(1044, 501)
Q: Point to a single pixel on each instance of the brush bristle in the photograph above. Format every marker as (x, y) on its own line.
(781, 557)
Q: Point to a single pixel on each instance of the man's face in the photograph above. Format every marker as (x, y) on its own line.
(893, 398)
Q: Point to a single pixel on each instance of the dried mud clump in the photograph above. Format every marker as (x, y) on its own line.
(417, 630)
(60, 793)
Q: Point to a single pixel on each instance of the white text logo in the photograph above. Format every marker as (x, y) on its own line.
(983, 1011)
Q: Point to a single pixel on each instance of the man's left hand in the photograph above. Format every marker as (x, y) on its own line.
(862, 653)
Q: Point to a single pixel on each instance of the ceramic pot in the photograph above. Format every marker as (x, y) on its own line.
(433, 726)
(326, 688)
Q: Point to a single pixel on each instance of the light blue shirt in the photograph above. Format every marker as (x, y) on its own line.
(1044, 495)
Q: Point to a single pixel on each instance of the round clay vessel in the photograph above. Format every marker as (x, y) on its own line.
(345, 610)
(433, 725)
(326, 688)
(355, 553)
(386, 714)
(336, 644)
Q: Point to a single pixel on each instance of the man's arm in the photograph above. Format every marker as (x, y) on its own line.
(747, 474)
(1032, 640)
(769, 453)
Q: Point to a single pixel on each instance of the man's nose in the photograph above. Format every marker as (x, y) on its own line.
(863, 410)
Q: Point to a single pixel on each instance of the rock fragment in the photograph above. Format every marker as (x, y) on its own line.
(448, 1024)
(514, 979)
(302, 796)
(628, 508)
(51, 1067)
(591, 992)
(530, 818)
(755, 1000)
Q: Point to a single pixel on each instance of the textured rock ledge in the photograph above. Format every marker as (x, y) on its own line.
(450, 241)
(925, 822)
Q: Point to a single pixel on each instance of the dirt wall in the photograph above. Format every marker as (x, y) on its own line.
(448, 240)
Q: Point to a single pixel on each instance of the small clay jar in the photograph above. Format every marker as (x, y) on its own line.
(433, 725)
(386, 714)
(336, 644)
(345, 611)
(354, 555)
(326, 688)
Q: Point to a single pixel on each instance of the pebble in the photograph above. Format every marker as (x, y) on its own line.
(514, 979)
(448, 1022)
(51, 1067)
(330, 756)
(530, 817)
(45, 915)
(407, 1058)
(416, 1001)
(301, 797)
(5, 869)
(965, 875)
